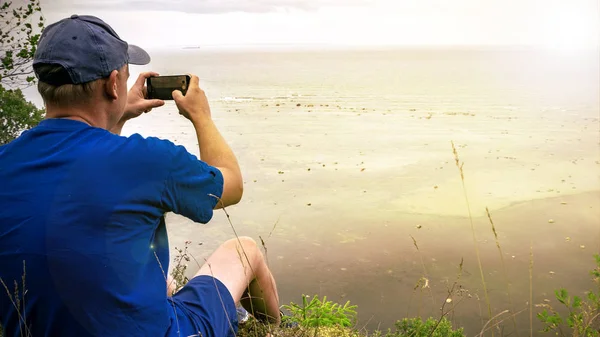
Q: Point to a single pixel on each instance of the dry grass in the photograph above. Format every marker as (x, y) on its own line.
(460, 165)
(424, 281)
(17, 299)
(506, 279)
(259, 330)
(531, 288)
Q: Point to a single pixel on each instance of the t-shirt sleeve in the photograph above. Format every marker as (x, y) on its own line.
(192, 188)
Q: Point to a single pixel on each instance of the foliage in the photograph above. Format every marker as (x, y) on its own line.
(16, 114)
(321, 313)
(583, 313)
(415, 327)
(18, 41)
(19, 35)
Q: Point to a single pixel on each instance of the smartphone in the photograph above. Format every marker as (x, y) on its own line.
(161, 87)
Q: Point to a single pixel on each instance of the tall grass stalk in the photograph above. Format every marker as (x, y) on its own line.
(264, 243)
(24, 291)
(165, 275)
(459, 165)
(447, 300)
(221, 300)
(421, 283)
(479, 307)
(18, 302)
(426, 275)
(510, 302)
(458, 276)
(485, 327)
(531, 288)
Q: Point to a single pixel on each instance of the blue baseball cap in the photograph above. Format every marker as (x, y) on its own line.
(86, 47)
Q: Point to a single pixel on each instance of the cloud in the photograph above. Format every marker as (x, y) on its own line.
(200, 6)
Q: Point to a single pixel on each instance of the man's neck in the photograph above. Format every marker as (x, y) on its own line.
(95, 118)
(77, 118)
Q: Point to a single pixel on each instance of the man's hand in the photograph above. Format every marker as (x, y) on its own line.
(194, 105)
(137, 103)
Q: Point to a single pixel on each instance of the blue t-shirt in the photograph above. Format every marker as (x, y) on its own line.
(83, 211)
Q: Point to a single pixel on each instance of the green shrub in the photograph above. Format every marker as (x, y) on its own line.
(415, 327)
(16, 114)
(317, 313)
(583, 313)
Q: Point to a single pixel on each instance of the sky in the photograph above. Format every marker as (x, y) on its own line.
(158, 24)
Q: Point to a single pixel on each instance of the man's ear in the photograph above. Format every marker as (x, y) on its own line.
(111, 86)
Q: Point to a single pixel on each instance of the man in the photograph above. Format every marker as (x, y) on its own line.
(83, 242)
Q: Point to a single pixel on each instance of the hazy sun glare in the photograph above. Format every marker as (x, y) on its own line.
(556, 24)
(570, 28)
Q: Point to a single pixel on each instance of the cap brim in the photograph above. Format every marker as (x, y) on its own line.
(137, 55)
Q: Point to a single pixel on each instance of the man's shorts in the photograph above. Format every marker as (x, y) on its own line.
(203, 307)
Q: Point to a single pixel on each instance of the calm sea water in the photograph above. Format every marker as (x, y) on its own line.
(347, 154)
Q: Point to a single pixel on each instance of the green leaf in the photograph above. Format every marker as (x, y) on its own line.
(562, 296)
(23, 53)
(576, 302)
(594, 298)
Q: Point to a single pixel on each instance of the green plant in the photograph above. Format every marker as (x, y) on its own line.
(19, 35)
(321, 313)
(583, 313)
(16, 114)
(416, 327)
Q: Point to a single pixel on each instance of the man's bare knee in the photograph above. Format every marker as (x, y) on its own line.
(247, 249)
(246, 241)
(241, 249)
(236, 263)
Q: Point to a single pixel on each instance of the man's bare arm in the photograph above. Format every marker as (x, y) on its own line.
(213, 147)
(215, 152)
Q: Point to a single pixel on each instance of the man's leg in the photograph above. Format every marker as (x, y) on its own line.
(241, 267)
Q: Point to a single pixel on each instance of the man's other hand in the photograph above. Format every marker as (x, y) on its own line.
(137, 103)
(194, 105)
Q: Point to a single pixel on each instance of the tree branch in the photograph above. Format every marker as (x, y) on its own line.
(19, 27)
